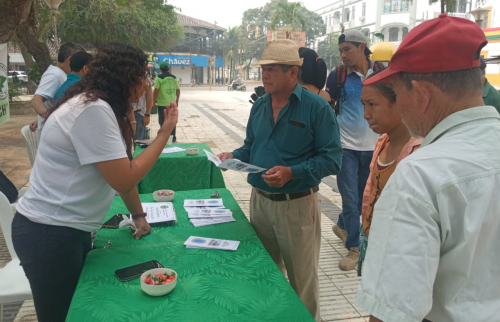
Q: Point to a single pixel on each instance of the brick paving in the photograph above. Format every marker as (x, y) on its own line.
(219, 119)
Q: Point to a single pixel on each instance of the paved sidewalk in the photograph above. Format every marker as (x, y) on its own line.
(219, 119)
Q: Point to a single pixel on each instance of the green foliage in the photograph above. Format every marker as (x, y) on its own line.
(14, 90)
(34, 73)
(232, 43)
(330, 52)
(315, 26)
(257, 21)
(288, 16)
(148, 24)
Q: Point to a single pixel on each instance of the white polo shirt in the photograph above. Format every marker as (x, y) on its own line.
(50, 82)
(434, 242)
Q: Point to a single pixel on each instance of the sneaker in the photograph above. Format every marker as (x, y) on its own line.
(351, 260)
(340, 233)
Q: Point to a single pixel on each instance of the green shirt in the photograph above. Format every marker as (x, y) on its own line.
(305, 137)
(167, 90)
(491, 96)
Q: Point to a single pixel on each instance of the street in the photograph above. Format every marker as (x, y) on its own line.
(218, 118)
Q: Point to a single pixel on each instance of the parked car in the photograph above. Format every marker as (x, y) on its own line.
(21, 75)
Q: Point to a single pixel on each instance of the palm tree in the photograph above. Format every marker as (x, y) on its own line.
(288, 16)
(232, 41)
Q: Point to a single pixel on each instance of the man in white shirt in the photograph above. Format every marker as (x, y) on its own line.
(51, 80)
(433, 250)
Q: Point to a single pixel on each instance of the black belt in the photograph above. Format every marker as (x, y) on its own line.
(283, 196)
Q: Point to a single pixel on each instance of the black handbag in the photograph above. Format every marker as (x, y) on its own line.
(8, 188)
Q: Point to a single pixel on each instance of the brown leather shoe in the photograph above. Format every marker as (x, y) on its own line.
(351, 260)
(340, 233)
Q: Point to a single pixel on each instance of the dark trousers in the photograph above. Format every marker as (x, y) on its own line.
(161, 118)
(52, 258)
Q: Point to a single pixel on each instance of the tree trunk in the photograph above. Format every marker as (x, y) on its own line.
(248, 69)
(14, 13)
(230, 70)
(28, 35)
(442, 6)
(28, 60)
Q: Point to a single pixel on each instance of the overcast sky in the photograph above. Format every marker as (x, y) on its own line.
(229, 12)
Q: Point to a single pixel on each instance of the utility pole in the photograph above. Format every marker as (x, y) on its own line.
(211, 62)
(343, 17)
(210, 73)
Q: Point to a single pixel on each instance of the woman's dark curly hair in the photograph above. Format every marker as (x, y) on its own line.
(113, 71)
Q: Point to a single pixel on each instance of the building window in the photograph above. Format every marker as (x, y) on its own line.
(363, 9)
(462, 6)
(393, 34)
(395, 6)
(405, 32)
(347, 14)
(353, 11)
(336, 18)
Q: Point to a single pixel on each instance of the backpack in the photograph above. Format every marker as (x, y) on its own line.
(341, 77)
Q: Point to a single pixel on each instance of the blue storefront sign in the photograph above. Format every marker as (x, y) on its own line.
(185, 60)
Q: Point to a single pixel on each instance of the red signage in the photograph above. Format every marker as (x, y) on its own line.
(298, 36)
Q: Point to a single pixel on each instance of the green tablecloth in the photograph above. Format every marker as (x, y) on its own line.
(213, 285)
(179, 171)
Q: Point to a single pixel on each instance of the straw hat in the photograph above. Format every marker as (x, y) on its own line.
(284, 52)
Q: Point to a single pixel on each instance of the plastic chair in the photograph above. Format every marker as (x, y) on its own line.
(31, 142)
(14, 286)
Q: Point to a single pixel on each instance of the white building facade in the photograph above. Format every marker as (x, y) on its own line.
(391, 20)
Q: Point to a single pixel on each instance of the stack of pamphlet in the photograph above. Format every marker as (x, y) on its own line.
(203, 212)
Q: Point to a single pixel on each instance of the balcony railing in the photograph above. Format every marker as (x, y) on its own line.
(457, 14)
(197, 50)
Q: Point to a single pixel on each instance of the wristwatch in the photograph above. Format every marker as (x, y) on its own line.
(147, 114)
(143, 215)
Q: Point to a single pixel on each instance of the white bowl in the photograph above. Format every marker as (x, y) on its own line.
(159, 198)
(192, 151)
(158, 290)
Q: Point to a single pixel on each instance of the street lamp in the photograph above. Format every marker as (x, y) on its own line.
(478, 15)
(53, 6)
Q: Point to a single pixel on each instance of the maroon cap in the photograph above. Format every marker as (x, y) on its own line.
(442, 44)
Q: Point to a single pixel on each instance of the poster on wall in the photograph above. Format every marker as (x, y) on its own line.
(395, 6)
(404, 5)
(4, 86)
(387, 6)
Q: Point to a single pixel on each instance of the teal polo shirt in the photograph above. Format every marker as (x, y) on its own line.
(305, 137)
(491, 96)
(70, 80)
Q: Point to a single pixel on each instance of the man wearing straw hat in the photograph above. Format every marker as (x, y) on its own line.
(433, 250)
(294, 134)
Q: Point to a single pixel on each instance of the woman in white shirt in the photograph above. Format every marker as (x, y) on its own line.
(81, 162)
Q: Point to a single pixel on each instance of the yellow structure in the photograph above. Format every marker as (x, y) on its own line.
(382, 52)
(492, 50)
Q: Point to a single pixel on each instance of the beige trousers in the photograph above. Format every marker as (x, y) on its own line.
(291, 233)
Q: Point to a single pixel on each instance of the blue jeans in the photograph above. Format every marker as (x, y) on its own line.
(351, 181)
(140, 129)
(52, 258)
